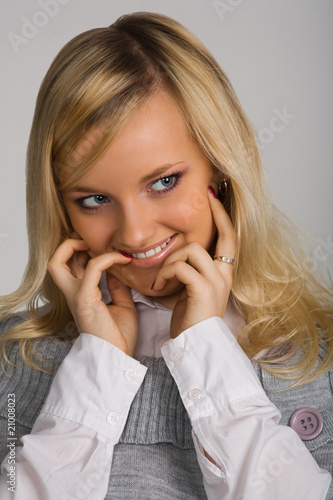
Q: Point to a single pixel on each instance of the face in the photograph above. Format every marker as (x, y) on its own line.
(146, 196)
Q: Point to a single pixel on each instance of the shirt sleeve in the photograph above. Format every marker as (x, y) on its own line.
(236, 424)
(69, 451)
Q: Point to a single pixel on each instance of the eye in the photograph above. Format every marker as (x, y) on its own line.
(164, 183)
(93, 201)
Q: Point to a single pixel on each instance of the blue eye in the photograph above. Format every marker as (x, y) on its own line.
(93, 201)
(165, 183)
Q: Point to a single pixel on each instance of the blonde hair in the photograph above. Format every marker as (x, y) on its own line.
(95, 84)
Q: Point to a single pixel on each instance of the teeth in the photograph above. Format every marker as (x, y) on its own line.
(152, 251)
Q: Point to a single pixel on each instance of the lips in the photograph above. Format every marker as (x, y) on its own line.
(151, 256)
(151, 252)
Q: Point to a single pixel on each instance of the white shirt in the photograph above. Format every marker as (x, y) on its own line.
(68, 454)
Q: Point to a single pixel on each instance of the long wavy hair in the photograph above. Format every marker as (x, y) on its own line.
(95, 84)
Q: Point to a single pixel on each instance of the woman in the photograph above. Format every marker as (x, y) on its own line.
(135, 132)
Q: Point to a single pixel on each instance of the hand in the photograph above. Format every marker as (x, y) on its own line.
(78, 279)
(207, 282)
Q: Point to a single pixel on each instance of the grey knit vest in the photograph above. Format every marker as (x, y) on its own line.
(155, 457)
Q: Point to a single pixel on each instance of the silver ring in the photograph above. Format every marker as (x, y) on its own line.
(228, 260)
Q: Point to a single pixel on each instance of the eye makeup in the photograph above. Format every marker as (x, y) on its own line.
(160, 186)
(166, 183)
(86, 202)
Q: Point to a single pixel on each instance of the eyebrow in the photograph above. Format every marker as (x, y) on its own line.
(155, 173)
(159, 171)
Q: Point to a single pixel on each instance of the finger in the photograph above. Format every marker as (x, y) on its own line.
(195, 255)
(120, 293)
(184, 272)
(78, 263)
(58, 266)
(66, 250)
(227, 238)
(95, 268)
(223, 224)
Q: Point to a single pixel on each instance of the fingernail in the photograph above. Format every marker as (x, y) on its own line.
(212, 191)
(153, 284)
(127, 255)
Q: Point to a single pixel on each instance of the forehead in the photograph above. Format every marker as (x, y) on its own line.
(154, 135)
(158, 122)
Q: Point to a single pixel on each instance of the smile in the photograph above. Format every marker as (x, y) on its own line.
(152, 256)
(151, 252)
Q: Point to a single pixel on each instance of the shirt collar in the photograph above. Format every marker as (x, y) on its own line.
(137, 296)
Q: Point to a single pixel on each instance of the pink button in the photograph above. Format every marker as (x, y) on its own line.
(307, 422)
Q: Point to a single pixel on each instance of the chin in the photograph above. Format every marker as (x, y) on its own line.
(143, 282)
(171, 287)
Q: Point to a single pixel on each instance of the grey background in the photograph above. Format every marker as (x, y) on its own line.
(277, 54)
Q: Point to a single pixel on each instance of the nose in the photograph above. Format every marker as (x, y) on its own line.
(136, 226)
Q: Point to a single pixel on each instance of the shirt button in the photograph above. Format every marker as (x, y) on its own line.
(113, 418)
(195, 395)
(307, 422)
(176, 354)
(130, 374)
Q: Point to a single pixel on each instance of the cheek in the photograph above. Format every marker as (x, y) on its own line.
(191, 213)
(95, 233)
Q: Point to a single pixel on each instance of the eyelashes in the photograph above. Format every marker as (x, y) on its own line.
(161, 186)
(86, 203)
(167, 183)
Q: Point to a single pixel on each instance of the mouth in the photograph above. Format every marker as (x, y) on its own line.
(152, 256)
(151, 252)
